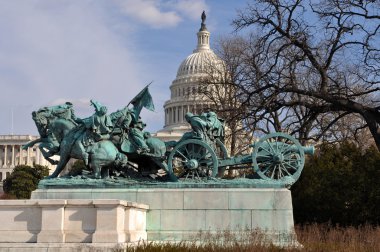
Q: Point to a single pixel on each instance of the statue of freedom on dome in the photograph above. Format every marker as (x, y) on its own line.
(203, 17)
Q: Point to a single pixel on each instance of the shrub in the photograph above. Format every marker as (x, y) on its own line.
(339, 185)
(23, 180)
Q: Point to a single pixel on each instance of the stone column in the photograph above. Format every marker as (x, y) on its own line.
(38, 155)
(28, 157)
(170, 116)
(5, 155)
(20, 158)
(166, 117)
(180, 113)
(177, 113)
(173, 115)
(182, 107)
(13, 155)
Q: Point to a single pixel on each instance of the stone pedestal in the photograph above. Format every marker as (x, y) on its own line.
(181, 213)
(72, 221)
(52, 221)
(20, 220)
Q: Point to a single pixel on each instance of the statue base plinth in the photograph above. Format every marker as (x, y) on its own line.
(181, 213)
(46, 221)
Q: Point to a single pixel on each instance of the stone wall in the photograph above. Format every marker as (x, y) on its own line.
(72, 221)
(181, 213)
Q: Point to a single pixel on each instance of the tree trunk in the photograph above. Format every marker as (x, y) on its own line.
(373, 124)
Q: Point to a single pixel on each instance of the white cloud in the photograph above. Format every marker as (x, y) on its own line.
(69, 50)
(148, 12)
(190, 8)
(62, 50)
(164, 13)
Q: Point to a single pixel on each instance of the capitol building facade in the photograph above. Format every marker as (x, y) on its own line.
(186, 90)
(12, 154)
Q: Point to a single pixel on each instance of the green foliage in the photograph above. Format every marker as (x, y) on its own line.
(339, 185)
(23, 180)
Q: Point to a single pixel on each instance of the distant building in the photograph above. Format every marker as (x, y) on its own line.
(12, 154)
(186, 89)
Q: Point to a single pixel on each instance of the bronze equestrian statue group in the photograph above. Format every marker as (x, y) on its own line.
(102, 141)
(117, 142)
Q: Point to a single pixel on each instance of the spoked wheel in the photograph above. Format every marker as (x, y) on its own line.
(193, 159)
(277, 156)
(221, 153)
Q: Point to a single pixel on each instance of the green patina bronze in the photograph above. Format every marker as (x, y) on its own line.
(201, 153)
(107, 143)
(119, 151)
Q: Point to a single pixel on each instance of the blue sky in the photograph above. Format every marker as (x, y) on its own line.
(107, 50)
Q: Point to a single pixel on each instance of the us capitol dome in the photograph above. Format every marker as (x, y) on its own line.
(186, 89)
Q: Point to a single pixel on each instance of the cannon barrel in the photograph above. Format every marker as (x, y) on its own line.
(306, 149)
(310, 150)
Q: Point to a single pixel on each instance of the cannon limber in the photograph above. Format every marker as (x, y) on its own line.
(276, 156)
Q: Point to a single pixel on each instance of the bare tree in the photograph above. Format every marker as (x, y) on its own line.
(317, 61)
(220, 87)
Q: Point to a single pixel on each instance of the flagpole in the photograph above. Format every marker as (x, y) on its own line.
(12, 125)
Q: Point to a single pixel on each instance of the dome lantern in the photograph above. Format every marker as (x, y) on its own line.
(203, 36)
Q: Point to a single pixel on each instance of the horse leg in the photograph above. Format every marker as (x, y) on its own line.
(61, 164)
(30, 144)
(80, 151)
(47, 155)
(105, 172)
(96, 168)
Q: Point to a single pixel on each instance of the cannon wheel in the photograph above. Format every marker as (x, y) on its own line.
(278, 155)
(193, 158)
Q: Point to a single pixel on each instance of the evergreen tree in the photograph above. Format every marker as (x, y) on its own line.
(339, 185)
(23, 180)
